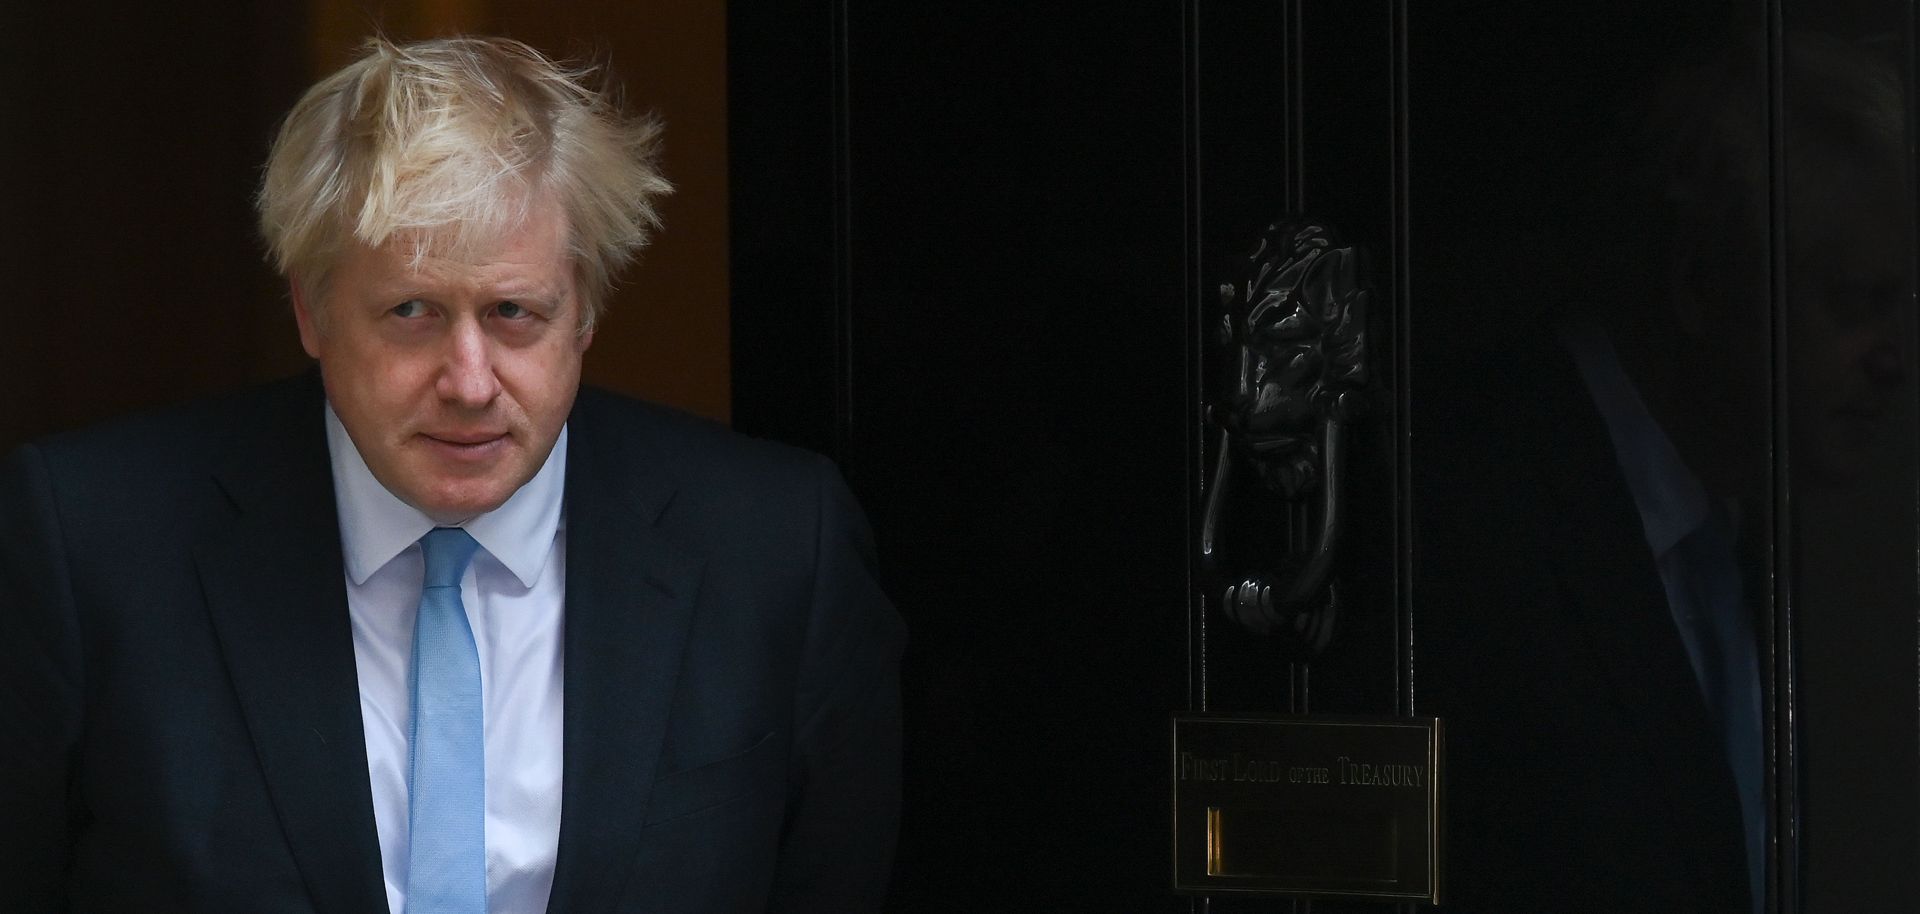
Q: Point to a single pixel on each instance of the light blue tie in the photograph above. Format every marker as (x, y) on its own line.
(446, 795)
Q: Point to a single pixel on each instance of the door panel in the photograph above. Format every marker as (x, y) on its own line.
(1632, 495)
(1590, 426)
(1016, 433)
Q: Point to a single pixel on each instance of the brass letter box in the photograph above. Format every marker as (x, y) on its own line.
(1327, 806)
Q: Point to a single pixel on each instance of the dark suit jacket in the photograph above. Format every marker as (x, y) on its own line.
(182, 719)
(1584, 773)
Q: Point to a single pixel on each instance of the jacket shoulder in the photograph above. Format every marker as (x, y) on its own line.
(693, 448)
(193, 431)
(145, 464)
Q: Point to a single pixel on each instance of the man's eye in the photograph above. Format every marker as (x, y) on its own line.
(412, 307)
(512, 311)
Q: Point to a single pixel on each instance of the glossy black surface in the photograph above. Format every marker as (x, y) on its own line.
(1844, 329)
(979, 256)
(1556, 625)
(1292, 337)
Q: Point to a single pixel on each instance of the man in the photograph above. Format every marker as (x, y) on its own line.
(437, 630)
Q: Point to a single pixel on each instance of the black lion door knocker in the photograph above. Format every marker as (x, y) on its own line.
(1293, 336)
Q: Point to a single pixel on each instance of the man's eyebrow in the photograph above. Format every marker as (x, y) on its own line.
(540, 292)
(394, 292)
(510, 290)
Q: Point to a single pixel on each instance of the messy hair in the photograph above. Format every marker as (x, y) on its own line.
(446, 145)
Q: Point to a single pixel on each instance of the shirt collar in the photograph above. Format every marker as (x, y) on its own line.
(376, 526)
(1671, 500)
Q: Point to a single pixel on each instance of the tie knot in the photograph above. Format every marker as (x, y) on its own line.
(447, 550)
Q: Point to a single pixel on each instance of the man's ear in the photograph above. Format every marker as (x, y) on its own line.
(303, 316)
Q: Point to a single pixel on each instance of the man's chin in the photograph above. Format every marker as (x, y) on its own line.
(454, 489)
(461, 504)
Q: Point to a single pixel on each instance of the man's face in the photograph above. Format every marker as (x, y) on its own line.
(453, 378)
(1850, 316)
(1850, 361)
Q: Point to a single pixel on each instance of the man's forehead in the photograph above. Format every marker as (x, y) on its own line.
(531, 259)
(507, 278)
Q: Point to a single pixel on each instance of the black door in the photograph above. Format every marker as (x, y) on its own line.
(1627, 472)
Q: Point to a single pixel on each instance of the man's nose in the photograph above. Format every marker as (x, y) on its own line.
(467, 377)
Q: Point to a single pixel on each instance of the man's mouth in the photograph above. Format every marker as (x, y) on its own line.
(465, 445)
(466, 437)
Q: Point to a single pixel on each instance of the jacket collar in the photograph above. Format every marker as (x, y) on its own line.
(277, 601)
(630, 596)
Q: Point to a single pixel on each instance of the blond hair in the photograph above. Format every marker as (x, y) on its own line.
(447, 144)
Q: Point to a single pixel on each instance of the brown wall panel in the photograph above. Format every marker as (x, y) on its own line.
(135, 136)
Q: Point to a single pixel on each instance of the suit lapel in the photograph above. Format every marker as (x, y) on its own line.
(1598, 546)
(1621, 613)
(630, 596)
(277, 597)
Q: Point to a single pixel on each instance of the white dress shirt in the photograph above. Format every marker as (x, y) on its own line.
(514, 593)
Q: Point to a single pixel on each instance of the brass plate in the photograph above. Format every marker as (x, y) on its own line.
(1342, 807)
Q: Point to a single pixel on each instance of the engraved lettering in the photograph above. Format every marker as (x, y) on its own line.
(1196, 768)
(1365, 774)
(1258, 771)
